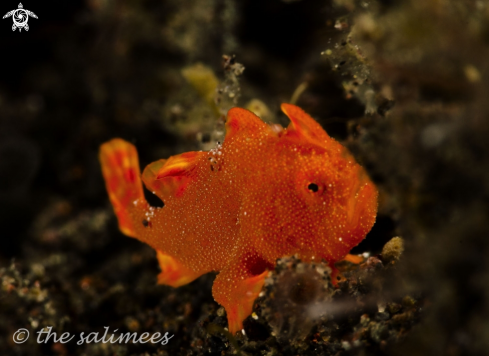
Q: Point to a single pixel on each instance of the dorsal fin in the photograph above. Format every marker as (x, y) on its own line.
(241, 121)
(170, 177)
(302, 125)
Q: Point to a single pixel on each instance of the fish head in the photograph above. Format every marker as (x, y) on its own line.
(332, 203)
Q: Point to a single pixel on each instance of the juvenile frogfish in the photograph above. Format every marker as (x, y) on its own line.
(265, 193)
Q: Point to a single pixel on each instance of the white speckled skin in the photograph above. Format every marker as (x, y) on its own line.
(239, 207)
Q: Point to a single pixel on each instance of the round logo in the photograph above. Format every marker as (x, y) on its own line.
(20, 17)
(21, 336)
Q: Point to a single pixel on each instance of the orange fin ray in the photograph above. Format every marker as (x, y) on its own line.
(237, 295)
(120, 168)
(355, 259)
(173, 273)
(303, 125)
(170, 177)
(336, 275)
(241, 121)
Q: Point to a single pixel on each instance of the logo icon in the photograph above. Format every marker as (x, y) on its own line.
(20, 17)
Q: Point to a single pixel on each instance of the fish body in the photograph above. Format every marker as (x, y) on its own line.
(265, 193)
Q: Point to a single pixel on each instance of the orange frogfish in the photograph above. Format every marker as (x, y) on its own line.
(265, 193)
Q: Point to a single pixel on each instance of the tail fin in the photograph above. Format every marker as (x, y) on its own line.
(120, 168)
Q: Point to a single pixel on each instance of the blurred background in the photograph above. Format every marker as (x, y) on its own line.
(402, 83)
(88, 71)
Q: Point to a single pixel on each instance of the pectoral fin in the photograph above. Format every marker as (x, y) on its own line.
(237, 287)
(237, 293)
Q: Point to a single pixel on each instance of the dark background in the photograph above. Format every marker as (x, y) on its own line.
(82, 68)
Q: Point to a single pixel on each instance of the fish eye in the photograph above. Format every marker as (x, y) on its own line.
(313, 187)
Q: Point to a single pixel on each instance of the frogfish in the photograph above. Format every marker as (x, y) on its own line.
(265, 193)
